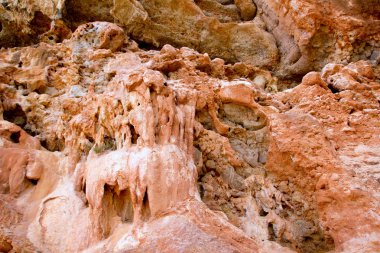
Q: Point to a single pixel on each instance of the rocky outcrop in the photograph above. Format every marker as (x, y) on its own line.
(108, 144)
(292, 37)
(311, 34)
(123, 162)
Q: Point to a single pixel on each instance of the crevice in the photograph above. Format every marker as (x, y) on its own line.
(201, 189)
(134, 134)
(44, 144)
(272, 236)
(40, 23)
(15, 137)
(333, 89)
(56, 145)
(147, 46)
(107, 145)
(33, 181)
(5, 5)
(122, 203)
(118, 202)
(145, 207)
(16, 116)
(263, 213)
(80, 12)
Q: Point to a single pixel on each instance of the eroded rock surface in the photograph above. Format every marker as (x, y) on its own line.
(106, 146)
(292, 37)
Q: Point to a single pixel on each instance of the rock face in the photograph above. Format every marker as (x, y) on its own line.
(113, 145)
(311, 34)
(292, 37)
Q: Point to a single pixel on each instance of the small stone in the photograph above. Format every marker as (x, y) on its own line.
(263, 157)
(283, 186)
(260, 81)
(211, 164)
(77, 91)
(44, 99)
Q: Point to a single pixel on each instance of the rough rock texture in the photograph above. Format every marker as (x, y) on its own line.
(122, 132)
(291, 36)
(311, 34)
(113, 145)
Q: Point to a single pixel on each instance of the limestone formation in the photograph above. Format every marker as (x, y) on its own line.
(185, 126)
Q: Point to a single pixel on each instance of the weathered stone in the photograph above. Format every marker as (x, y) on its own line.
(108, 147)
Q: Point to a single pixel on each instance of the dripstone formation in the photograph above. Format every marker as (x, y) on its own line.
(190, 126)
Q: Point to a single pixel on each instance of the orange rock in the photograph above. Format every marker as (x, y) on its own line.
(108, 147)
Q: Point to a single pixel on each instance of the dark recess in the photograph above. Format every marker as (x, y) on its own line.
(33, 181)
(15, 137)
(40, 23)
(135, 135)
(16, 116)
